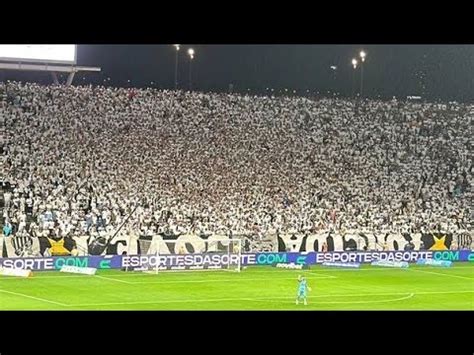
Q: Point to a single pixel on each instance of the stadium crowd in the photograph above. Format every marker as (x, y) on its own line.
(83, 160)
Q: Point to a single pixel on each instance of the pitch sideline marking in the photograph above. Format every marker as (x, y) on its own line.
(35, 298)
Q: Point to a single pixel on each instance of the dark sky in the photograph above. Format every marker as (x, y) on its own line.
(390, 70)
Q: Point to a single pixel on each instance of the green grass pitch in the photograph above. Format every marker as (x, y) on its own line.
(255, 288)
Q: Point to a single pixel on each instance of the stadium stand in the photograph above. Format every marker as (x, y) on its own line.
(79, 160)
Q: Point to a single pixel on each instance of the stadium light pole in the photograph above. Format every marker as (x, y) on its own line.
(176, 46)
(191, 57)
(362, 58)
(334, 77)
(354, 65)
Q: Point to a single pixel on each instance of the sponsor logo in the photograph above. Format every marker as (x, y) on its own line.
(368, 257)
(79, 270)
(290, 266)
(271, 258)
(397, 264)
(183, 261)
(56, 263)
(348, 265)
(432, 262)
(458, 255)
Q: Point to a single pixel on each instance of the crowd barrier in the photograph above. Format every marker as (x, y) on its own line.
(247, 259)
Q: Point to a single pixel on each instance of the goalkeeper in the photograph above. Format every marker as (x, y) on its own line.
(302, 290)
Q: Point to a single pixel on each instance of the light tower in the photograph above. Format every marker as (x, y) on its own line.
(176, 46)
(354, 65)
(191, 57)
(362, 55)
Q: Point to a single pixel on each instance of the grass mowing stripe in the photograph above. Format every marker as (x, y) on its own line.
(440, 273)
(319, 269)
(33, 297)
(363, 302)
(112, 279)
(178, 275)
(409, 295)
(226, 280)
(117, 279)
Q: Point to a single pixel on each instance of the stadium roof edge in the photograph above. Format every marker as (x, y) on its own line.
(47, 67)
(52, 68)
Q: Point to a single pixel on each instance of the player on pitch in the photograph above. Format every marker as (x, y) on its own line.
(302, 290)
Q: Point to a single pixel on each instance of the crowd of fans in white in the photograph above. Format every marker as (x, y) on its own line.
(80, 160)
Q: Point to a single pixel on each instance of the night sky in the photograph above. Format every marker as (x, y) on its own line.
(443, 72)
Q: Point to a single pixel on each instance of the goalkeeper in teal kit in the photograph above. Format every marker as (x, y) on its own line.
(303, 289)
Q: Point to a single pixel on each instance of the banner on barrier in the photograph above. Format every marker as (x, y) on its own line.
(196, 261)
(276, 258)
(78, 270)
(343, 265)
(368, 257)
(291, 266)
(396, 264)
(28, 246)
(454, 255)
(57, 262)
(15, 272)
(179, 261)
(354, 239)
(431, 262)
